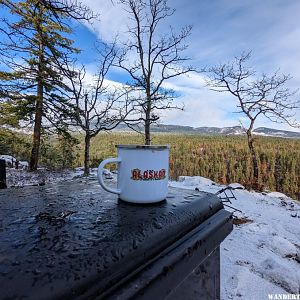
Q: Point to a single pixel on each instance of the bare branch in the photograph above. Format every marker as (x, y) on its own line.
(257, 96)
(151, 59)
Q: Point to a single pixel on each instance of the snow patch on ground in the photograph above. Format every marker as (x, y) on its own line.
(12, 161)
(236, 186)
(277, 195)
(193, 182)
(18, 178)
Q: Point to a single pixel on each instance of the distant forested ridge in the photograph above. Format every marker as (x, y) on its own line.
(234, 130)
(222, 158)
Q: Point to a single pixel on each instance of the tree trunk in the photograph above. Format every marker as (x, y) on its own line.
(37, 128)
(33, 164)
(87, 143)
(147, 132)
(13, 151)
(278, 173)
(254, 159)
(228, 171)
(148, 121)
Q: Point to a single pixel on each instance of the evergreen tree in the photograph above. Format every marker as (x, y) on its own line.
(34, 37)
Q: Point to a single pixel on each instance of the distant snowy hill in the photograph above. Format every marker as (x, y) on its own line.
(275, 132)
(234, 130)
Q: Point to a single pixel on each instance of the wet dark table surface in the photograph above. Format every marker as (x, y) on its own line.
(62, 241)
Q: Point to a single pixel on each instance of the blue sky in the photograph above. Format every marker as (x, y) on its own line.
(222, 29)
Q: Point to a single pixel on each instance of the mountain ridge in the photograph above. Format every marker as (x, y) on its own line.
(205, 130)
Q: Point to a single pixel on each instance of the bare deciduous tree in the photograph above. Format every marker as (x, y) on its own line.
(151, 57)
(95, 106)
(267, 95)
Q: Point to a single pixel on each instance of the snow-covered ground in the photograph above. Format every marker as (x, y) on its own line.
(12, 161)
(17, 178)
(262, 254)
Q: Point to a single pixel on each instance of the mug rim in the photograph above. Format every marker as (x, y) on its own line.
(137, 146)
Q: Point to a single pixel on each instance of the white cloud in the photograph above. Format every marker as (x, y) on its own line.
(113, 20)
(202, 106)
(198, 113)
(186, 82)
(208, 108)
(90, 79)
(221, 29)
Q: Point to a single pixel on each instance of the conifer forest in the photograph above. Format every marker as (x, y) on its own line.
(223, 159)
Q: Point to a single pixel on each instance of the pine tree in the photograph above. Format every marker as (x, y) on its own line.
(33, 40)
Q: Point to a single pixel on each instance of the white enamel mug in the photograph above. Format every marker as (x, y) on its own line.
(142, 173)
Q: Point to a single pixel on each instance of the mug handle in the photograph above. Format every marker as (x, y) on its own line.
(100, 174)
